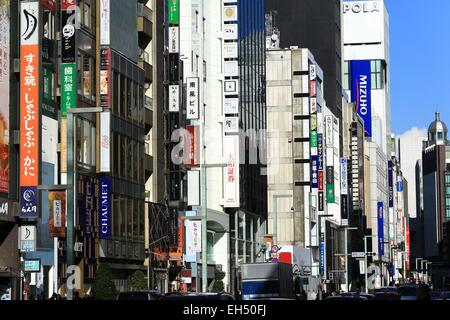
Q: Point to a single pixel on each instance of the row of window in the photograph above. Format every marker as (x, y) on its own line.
(378, 74)
(128, 158)
(127, 219)
(447, 195)
(127, 98)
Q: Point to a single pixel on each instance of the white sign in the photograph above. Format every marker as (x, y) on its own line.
(193, 237)
(312, 72)
(231, 87)
(105, 141)
(358, 254)
(231, 106)
(57, 213)
(344, 176)
(231, 171)
(193, 187)
(4, 209)
(361, 7)
(105, 21)
(230, 32)
(231, 125)
(78, 247)
(313, 102)
(174, 98)
(27, 238)
(174, 46)
(231, 69)
(230, 13)
(192, 87)
(230, 50)
(29, 23)
(329, 131)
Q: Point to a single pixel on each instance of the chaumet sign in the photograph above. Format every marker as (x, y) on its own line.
(361, 7)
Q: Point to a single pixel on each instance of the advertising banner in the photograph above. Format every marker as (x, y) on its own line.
(68, 88)
(391, 183)
(105, 21)
(174, 11)
(27, 236)
(360, 78)
(193, 146)
(313, 89)
(29, 108)
(105, 75)
(105, 141)
(192, 87)
(105, 207)
(4, 94)
(314, 173)
(57, 216)
(231, 172)
(344, 176)
(193, 238)
(380, 228)
(68, 36)
(330, 185)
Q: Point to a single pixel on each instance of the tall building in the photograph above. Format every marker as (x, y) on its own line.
(436, 195)
(316, 25)
(304, 169)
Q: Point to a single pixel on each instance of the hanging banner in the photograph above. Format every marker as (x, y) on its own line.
(193, 146)
(314, 173)
(174, 11)
(380, 228)
(105, 141)
(105, 22)
(231, 172)
(57, 216)
(68, 34)
(193, 238)
(4, 94)
(105, 207)
(29, 109)
(68, 88)
(105, 77)
(360, 77)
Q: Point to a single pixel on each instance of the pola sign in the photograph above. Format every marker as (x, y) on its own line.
(361, 7)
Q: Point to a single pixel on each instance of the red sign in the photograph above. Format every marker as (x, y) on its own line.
(321, 180)
(176, 253)
(408, 247)
(193, 143)
(66, 4)
(49, 4)
(313, 88)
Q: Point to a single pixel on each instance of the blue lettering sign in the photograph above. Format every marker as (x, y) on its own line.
(105, 207)
(360, 78)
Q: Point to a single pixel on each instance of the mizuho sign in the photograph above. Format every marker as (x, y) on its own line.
(361, 7)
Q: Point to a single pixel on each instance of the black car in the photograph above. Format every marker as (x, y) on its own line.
(139, 295)
(198, 296)
(407, 292)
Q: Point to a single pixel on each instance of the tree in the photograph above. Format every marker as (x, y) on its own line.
(137, 281)
(218, 283)
(104, 288)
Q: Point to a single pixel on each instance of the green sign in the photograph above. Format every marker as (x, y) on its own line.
(69, 87)
(314, 122)
(174, 11)
(313, 139)
(330, 193)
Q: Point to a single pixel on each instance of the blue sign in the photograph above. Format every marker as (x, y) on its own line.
(322, 256)
(360, 78)
(28, 202)
(32, 265)
(105, 207)
(314, 172)
(320, 150)
(391, 183)
(380, 228)
(400, 185)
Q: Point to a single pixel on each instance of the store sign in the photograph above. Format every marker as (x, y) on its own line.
(329, 134)
(231, 87)
(313, 105)
(105, 22)
(105, 207)
(105, 141)
(231, 125)
(68, 88)
(230, 50)
(330, 185)
(313, 122)
(320, 150)
(360, 78)
(344, 210)
(174, 42)
(174, 11)
(391, 183)
(231, 69)
(231, 171)
(174, 98)
(361, 7)
(68, 37)
(57, 214)
(313, 88)
(314, 173)
(312, 72)
(193, 146)
(230, 32)
(321, 202)
(380, 228)
(344, 176)
(230, 13)
(105, 77)
(313, 139)
(231, 106)
(193, 237)
(29, 109)
(4, 95)
(27, 236)
(192, 87)
(32, 265)
(321, 180)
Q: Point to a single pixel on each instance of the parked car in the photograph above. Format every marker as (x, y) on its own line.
(407, 292)
(344, 297)
(139, 295)
(386, 290)
(198, 296)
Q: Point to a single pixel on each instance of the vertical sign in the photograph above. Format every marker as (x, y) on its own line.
(105, 74)
(105, 21)
(193, 146)
(174, 98)
(314, 173)
(360, 78)
(330, 185)
(344, 191)
(174, 42)
(29, 108)
(27, 236)
(4, 94)
(105, 207)
(174, 11)
(380, 228)
(57, 216)
(69, 87)
(68, 37)
(193, 239)
(407, 245)
(231, 174)
(192, 86)
(329, 136)
(391, 183)
(105, 141)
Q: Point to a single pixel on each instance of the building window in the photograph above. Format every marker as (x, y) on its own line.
(378, 70)
(447, 195)
(346, 79)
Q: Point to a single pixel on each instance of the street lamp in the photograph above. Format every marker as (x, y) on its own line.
(346, 254)
(365, 260)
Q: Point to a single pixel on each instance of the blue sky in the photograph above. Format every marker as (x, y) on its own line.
(420, 62)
